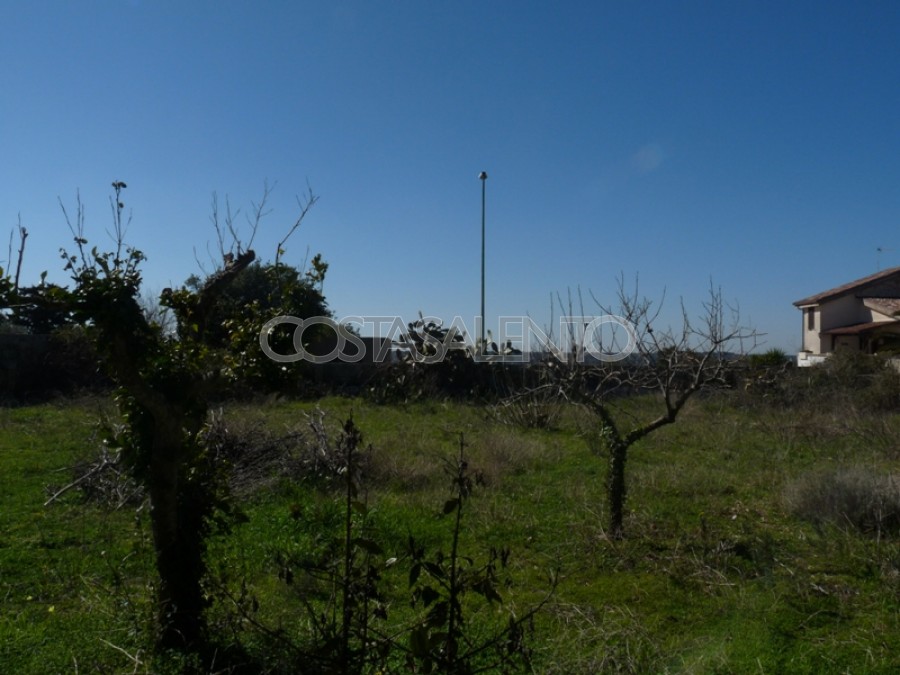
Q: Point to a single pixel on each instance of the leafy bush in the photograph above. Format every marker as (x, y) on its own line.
(770, 358)
(74, 360)
(40, 367)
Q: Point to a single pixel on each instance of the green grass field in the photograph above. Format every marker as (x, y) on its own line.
(715, 574)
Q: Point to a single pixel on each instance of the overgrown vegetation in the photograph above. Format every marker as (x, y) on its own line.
(165, 384)
(218, 536)
(718, 572)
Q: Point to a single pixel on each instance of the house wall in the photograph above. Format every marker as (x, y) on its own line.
(805, 360)
(842, 311)
(846, 342)
(811, 341)
(878, 316)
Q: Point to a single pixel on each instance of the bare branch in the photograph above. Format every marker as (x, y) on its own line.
(259, 212)
(97, 468)
(235, 247)
(77, 228)
(305, 205)
(23, 234)
(214, 218)
(8, 260)
(200, 263)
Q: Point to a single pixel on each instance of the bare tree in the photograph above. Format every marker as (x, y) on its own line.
(671, 364)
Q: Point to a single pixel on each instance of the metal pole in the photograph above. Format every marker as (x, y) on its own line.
(483, 176)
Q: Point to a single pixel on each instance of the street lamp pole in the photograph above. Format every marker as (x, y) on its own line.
(483, 176)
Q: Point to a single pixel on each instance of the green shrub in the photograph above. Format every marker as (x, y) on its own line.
(771, 358)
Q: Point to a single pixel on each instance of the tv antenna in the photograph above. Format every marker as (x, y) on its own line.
(878, 251)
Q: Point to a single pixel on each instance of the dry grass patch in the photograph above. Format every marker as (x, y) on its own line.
(413, 463)
(498, 453)
(390, 467)
(861, 498)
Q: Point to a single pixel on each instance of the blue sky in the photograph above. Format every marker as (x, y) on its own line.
(754, 144)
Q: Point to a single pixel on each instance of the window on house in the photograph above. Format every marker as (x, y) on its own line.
(811, 319)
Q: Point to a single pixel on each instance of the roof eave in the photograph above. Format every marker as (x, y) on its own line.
(852, 287)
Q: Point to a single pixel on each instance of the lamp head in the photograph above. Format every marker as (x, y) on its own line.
(483, 175)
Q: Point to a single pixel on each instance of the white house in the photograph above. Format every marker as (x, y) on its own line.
(863, 315)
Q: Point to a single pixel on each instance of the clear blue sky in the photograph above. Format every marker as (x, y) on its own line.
(756, 144)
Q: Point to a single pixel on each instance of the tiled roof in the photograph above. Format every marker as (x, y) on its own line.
(846, 288)
(858, 328)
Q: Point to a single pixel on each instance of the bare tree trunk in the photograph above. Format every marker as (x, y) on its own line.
(173, 403)
(178, 542)
(615, 487)
(177, 508)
